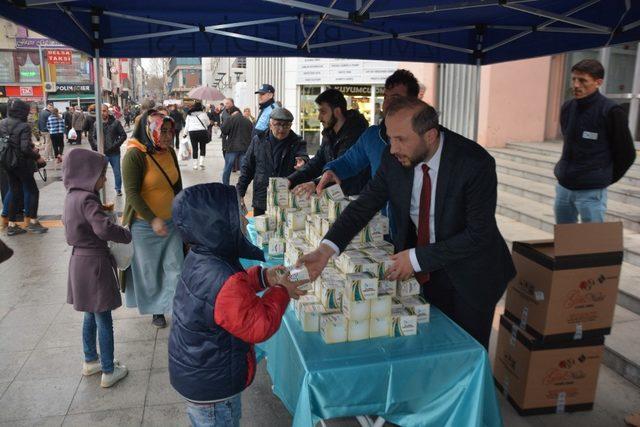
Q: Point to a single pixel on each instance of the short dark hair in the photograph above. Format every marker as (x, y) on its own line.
(425, 117)
(593, 67)
(403, 77)
(334, 98)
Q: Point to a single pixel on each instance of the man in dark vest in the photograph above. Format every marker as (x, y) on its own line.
(598, 148)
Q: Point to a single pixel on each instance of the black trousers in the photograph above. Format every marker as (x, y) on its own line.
(258, 211)
(22, 181)
(441, 293)
(199, 139)
(177, 138)
(57, 140)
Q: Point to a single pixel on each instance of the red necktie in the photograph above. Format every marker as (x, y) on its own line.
(423, 217)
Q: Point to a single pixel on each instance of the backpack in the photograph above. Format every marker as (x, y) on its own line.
(8, 155)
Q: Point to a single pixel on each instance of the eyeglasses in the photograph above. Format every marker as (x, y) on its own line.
(282, 125)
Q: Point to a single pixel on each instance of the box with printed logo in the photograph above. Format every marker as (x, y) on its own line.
(361, 286)
(333, 328)
(566, 288)
(542, 378)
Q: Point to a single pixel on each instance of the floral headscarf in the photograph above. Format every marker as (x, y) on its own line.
(154, 125)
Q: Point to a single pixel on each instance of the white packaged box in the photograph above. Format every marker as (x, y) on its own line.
(278, 198)
(263, 223)
(417, 305)
(383, 223)
(296, 220)
(408, 287)
(384, 245)
(381, 306)
(331, 298)
(358, 330)
(355, 262)
(357, 310)
(304, 299)
(298, 274)
(403, 323)
(263, 238)
(325, 225)
(298, 202)
(333, 328)
(361, 286)
(315, 204)
(334, 193)
(387, 287)
(380, 327)
(310, 317)
(276, 247)
(335, 208)
(279, 184)
(383, 266)
(317, 223)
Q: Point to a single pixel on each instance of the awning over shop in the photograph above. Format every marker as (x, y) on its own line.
(448, 31)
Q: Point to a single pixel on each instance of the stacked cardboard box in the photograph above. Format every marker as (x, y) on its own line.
(351, 300)
(558, 309)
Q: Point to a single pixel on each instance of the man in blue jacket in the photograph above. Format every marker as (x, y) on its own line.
(367, 151)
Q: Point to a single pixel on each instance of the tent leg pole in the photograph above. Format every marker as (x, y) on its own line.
(477, 103)
(97, 77)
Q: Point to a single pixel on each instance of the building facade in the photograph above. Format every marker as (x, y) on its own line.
(184, 74)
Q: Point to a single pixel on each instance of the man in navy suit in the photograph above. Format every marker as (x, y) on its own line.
(442, 188)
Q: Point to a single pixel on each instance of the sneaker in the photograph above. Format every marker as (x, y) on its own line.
(119, 372)
(159, 321)
(119, 193)
(36, 228)
(92, 368)
(14, 230)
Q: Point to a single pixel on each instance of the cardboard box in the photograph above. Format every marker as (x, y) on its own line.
(358, 330)
(333, 328)
(403, 323)
(380, 327)
(360, 286)
(542, 378)
(566, 288)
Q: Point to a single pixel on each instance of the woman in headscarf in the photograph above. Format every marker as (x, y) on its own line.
(152, 178)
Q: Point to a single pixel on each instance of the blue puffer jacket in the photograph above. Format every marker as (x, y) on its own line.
(206, 362)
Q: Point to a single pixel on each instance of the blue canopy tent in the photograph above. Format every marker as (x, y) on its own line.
(475, 32)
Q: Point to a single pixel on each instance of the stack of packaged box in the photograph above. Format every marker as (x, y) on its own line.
(558, 309)
(351, 300)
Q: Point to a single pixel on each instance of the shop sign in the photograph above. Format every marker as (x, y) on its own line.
(343, 71)
(74, 88)
(59, 56)
(353, 90)
(29, 74)
(23, 91)
(34, 43)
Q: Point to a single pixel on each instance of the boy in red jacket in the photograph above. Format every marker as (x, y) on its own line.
(217, 314)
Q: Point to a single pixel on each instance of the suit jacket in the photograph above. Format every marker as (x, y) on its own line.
(469, 248)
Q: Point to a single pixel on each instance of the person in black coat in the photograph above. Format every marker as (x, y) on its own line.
(178, 119)
(442, 189)
(236, 131)
(20, 177)
(114, 137)
(272, 154)
(342, 129)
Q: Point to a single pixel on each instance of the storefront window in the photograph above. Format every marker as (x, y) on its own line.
(78, 71)
(379, 97)
(619, 73)
(7, 70)
(358, 98)
(28, 66)
(310, 126)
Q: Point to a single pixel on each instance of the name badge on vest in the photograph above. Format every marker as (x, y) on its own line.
(590, 135)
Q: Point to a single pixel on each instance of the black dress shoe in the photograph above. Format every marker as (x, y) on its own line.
(159, 321)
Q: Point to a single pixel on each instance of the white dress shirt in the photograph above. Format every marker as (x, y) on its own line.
(414, 208)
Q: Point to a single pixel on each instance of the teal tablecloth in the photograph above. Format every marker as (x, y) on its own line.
(440, 377)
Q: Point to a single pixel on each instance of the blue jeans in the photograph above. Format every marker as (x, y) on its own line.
(114, 161)
(229, 160)
(220, 414)
(591, 205)
(104, 325)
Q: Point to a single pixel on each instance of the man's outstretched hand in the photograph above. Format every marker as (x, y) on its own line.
(328, 179)
(316, 260)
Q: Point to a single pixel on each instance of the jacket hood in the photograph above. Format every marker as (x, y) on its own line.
(208, 218)
(81, 169)
(19, 110)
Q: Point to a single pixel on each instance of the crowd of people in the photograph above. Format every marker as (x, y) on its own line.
(437, 188)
